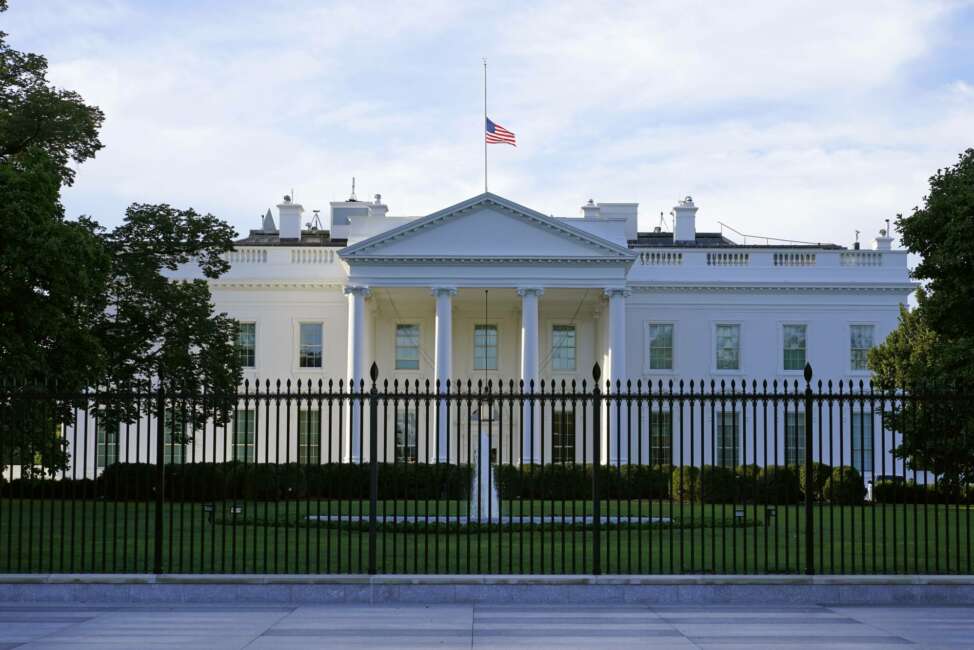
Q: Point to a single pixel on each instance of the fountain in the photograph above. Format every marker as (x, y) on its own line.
(484, 499)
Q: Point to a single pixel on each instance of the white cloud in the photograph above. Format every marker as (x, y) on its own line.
(800, 120)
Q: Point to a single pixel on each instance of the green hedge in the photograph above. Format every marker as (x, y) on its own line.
(574, 481)
(743, 484)
(820, 474)
(895, 489)
(217, 481)
(845, 486)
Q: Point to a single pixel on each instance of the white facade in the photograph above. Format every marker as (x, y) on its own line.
(552, 297)
(596, 273)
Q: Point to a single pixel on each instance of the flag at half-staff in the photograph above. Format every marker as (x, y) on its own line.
(497, 134)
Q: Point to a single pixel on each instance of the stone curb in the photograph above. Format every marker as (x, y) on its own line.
(787, 590)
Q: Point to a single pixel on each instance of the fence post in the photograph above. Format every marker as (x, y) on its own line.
(160, 475)
(374, 464)
(596, 464)
(809, 474)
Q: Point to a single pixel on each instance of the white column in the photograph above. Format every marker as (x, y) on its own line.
(531, 444)
(443, 363)
(356, 371)
(617, 435)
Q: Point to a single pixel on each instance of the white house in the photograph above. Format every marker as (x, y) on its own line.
(490, 289)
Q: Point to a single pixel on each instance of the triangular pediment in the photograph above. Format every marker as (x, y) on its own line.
(483, 228)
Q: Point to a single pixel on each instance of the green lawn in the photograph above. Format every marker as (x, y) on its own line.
(105, 536)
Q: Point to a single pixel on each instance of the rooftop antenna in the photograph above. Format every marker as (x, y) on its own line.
(315, 221)
(352, 197)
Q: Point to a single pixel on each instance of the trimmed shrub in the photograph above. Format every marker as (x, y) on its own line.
(574, 481)
(820, 474)
(779, 485)
(747, 482)
(845, 486)
(894, 489)
(268, 481)
(709, 484)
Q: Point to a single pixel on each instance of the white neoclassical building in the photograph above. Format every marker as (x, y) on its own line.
(488, 289)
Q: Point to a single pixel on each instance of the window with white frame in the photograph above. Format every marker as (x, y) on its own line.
(794, 438)
(563, 436)
(563, 347)
(309, 346)
(244, 436)
(660, 437)
(728, 340)
(727, 438)
(106, 444)
(485, 347)
(309, 436)
(860, 342)
(406, 447)
(794, 342)
(174, 447)
(661, 346)
(862, 441)
(247, 344)
(407, 346)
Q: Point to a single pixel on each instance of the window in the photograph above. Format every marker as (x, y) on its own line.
(728, 347)
(563, 436)
(862, 442)
(563, 347)
(860, 342)
(485, 347)
(174, 450)
(660, 346)
(309, 352)
(247, 344)
(106, 445)
(407, 347)
(309, 436)
(660, 437)
(794, 346)
(244, 434)
(406, 451)
(727, 443)
(795, 438)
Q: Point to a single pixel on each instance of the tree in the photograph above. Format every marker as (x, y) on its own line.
(34, 115)
(160, 333)
(53, 272)
(82, 307)
(931, 353)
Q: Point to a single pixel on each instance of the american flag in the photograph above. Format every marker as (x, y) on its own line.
(497, 134)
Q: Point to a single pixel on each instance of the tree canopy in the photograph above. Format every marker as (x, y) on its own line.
(931, 353)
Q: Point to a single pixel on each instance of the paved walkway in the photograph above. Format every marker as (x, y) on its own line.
(466, 626)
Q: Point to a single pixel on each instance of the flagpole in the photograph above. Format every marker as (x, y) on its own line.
(484, 127)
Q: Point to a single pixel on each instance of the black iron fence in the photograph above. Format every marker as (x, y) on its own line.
(564, 477)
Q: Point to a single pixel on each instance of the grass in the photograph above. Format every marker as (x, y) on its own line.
(275, 537)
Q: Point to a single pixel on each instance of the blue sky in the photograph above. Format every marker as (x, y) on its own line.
(804, 120)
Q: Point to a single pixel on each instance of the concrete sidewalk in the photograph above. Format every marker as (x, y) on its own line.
(215, 626)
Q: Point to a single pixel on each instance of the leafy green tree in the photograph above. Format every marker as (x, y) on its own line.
(85, 308)
(53, 272)
(931, 353)
(160, 332)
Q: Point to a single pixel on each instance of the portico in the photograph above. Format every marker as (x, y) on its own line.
(492, 280)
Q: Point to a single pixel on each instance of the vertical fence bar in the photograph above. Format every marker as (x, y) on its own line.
(809, 519)
(373, 464)
(160, 476)
(596, 464)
